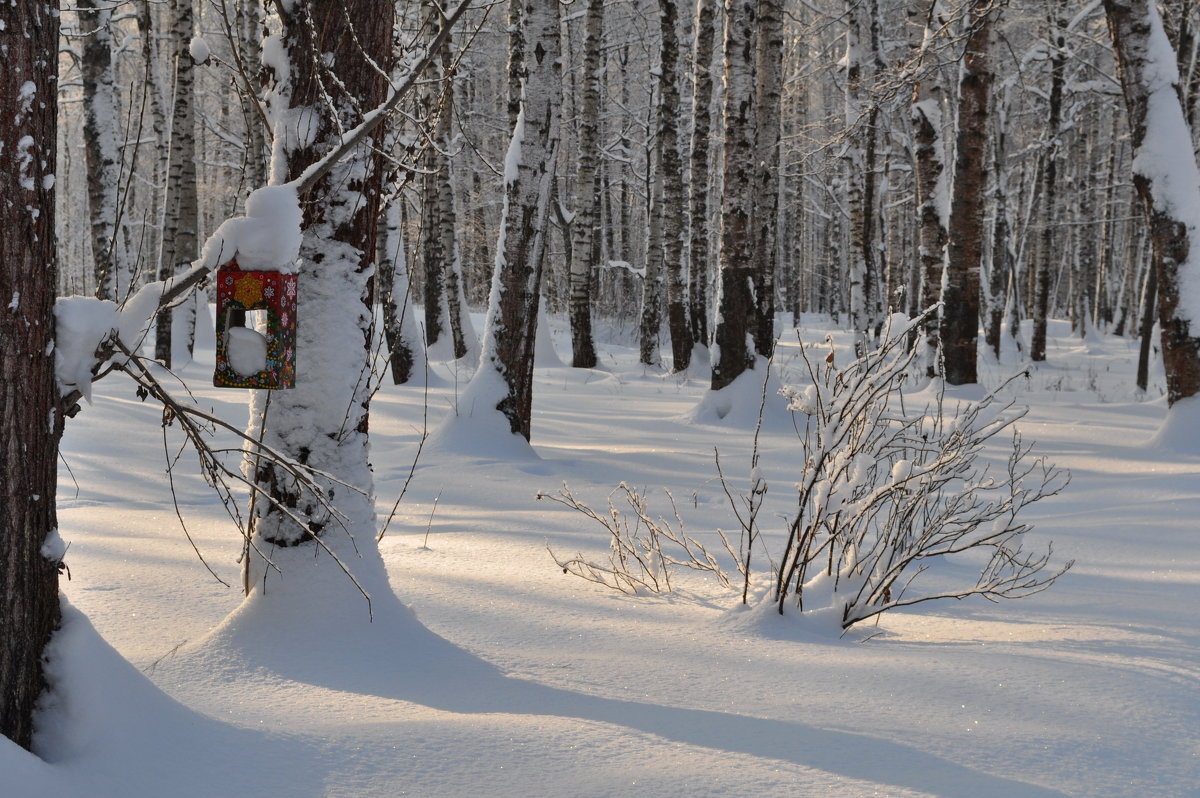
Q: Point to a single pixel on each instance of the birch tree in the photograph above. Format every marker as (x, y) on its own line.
(585, 249)
(1167, 180)
(100, 149)
(1049, 190)
(181, 217)
(768, 106)
(736, 306)
(964, 255)
(510, 328)
(672, 208)
(699, 181)
(322, 422)
(30, 419)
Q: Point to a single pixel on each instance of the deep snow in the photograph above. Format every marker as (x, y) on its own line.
(507, 678)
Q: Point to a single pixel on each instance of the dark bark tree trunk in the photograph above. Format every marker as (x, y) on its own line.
(30, 417)
(961, 292)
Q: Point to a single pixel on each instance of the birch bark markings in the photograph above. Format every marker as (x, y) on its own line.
(100, 148)
(1166, 178)
(768, 108)
(672, 208)
(699, 182)
(511, 327)
(181, 220)
(585, 248)
(964, 256)
(734, 353)
(1049, 192)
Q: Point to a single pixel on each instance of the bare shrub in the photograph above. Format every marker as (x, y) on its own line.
(885, 493)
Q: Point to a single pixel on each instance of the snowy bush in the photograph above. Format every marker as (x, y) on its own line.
(887, 492)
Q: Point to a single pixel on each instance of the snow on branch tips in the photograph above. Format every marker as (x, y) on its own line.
(889, 494)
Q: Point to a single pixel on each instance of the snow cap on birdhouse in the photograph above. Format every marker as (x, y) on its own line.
(262, 355)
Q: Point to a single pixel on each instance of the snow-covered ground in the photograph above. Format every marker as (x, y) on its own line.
(505, 677)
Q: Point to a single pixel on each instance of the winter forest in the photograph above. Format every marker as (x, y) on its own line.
(599, 398)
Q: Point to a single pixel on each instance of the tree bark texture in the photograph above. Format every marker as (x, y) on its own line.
(181, 220)
(1046, 253)
(736, 309)
(30, 421)
(1159, 130)
(100, 148)
(322, 422)
(673, 209)
(699, 184)
(585, 249)
(768, 106)
(511, 327)
(964, 254)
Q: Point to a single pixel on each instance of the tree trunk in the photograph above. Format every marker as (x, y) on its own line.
(100, 149)
(929, 166)
(322, 422)
(30, 418)
(1046, 252)
(961, 292)
(699, 182)
(182, 214)
(673, 209)
(737, 307)
(768, 106)
(511, 327)
(1166, 178)
(585, 249)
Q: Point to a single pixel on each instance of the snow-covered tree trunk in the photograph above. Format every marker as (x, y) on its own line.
(964, 253)
(510, 330)
(1167, 181)
(768, 105)
(100, 149)
(733, 348)
(699, 181)
(322, 422)
(673, 209)
(1047, 254)
(585, 248)
(30, 417)
(181, 220)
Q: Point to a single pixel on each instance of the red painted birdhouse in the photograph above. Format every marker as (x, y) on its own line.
(256, 328)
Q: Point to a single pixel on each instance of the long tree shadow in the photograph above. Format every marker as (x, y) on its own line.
(396, 657)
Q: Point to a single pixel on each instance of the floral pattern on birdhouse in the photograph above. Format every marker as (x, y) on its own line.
(261, 355)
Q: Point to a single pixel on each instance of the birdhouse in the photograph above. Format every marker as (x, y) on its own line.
(256, 328)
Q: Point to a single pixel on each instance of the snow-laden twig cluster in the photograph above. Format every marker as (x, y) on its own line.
(888, 491)
(643, 548)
